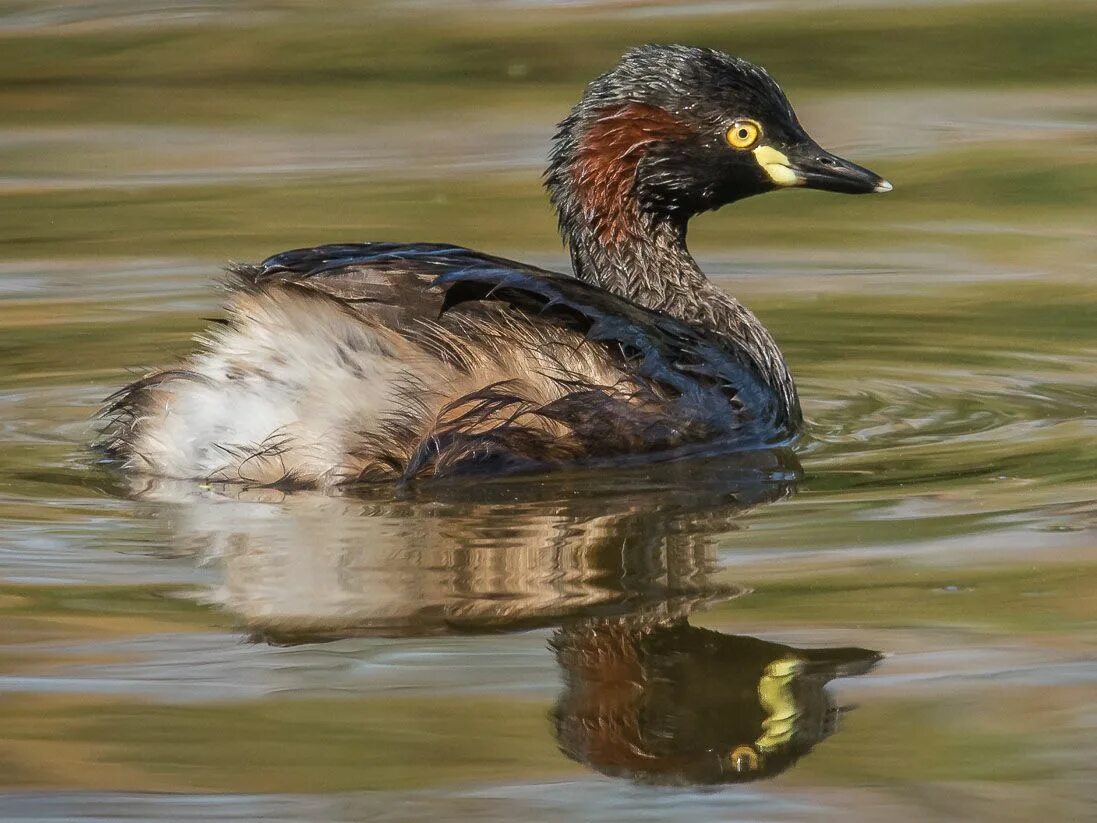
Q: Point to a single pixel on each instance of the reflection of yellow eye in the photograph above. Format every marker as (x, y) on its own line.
(743, 134)
(744, 759)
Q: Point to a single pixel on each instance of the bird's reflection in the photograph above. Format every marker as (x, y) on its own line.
(671, 703)
(615, 562)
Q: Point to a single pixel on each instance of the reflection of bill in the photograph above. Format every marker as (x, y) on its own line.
(615, 561)
(671, 703)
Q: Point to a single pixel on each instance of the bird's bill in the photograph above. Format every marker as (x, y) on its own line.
(812, 167)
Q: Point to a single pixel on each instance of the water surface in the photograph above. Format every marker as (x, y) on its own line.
(894, 621)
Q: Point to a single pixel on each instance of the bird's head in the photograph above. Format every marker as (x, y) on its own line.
(675, 130)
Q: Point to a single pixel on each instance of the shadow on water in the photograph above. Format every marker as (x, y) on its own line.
(615, 564)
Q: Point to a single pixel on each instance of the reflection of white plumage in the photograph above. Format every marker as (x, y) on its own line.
(306, 565)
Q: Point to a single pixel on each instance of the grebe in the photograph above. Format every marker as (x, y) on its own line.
(369, 362)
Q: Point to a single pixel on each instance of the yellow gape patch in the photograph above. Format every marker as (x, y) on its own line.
(777, 166)
(779, 702)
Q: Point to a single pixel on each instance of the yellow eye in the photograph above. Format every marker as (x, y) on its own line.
(743, 134)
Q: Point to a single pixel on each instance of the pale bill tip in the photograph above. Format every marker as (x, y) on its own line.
(883, 186)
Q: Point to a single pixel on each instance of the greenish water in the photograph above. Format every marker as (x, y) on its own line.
(586, 646)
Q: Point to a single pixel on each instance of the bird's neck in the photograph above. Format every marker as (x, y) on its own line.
(647, 262)
(622, 239)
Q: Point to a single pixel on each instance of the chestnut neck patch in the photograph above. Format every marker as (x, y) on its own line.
(603, 170)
